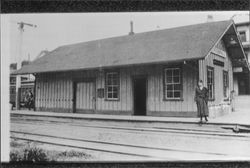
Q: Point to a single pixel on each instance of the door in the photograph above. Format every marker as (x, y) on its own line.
(242, 84)
(140, 95)
(84, 97)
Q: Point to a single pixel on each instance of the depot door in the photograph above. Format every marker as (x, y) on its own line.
(140, 95)
(84, 95)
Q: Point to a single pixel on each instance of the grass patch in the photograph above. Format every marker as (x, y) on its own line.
(73, 153)
(30, 152)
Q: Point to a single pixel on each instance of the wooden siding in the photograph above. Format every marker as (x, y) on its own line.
(218, 73)
(85, 96)
(156, 100)
(54, 92)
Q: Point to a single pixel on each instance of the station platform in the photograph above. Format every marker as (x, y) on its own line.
(240, 117)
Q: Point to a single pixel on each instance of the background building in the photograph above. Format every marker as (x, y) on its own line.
(27, 84)
(241, 75)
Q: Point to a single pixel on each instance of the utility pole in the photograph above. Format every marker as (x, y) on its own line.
(19, 61)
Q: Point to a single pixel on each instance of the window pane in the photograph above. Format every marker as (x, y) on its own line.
(109, 95)
(176, 72)
(209, 73)
(176, 79)
(109, 89)
(115, 95)
(169, 72)
(169, 87)
(115, 89)
(243, 36)
(177, 94)
(169, 94)
(177, 87)
(115, 81)
(169, 80)
(109, 82)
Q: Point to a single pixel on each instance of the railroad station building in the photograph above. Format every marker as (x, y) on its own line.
(153, 73)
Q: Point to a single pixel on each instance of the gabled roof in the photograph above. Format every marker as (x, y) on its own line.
(175, 44)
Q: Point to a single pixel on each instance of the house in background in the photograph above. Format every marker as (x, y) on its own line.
(241, 74)
(27, 83)
(153, 73)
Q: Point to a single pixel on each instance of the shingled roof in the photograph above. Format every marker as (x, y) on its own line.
(175, 44)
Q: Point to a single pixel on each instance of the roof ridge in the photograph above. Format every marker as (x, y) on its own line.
(141, 33)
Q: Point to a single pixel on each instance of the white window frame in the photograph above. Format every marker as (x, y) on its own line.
(173, 83)
(212, 97)
(112, 85)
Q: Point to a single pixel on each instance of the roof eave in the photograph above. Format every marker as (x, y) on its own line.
(108, 67)
(221, 36)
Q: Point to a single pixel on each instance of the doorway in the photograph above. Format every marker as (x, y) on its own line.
(140, 95)
(84, 97)
(243, 83)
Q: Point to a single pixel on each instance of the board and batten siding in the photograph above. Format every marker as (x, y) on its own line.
(124, 103)
(218, 73)
(157, 106)
(54, 91)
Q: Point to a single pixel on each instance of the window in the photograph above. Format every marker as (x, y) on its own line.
(12, 90)
(172, 83)
(225, 83)
(210, 82)
(112, 85)
(12, 80)
(243, 36)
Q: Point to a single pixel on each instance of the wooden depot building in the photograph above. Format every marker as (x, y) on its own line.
(153, 73)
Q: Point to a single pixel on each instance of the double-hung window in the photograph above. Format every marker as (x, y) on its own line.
(112, 85)
(210, 82)
(172, 83)
(243, 36)
(225, 84)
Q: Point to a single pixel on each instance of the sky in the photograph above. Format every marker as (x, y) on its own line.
(54, 30)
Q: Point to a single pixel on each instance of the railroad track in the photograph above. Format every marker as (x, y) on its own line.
(31, 129)
(156, 130)
(116, 148)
